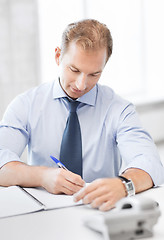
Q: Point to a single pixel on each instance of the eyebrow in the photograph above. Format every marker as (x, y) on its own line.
(89, 73)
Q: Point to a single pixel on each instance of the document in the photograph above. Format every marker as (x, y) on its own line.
(15, 200)
(52, 201)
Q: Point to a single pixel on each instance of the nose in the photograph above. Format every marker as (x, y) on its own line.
(81, 82)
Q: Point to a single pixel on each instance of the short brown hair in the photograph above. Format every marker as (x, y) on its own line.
(88, 33)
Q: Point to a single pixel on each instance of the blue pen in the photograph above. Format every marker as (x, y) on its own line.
(61, 165)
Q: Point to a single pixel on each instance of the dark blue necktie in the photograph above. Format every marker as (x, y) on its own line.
(71, 145)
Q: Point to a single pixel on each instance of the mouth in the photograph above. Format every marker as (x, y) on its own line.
(75, 90)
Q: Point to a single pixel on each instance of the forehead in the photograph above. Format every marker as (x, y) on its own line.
(92, 59)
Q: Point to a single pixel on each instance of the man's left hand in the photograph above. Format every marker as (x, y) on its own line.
(102, 193)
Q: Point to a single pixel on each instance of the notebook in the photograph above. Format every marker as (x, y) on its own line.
(15, 200)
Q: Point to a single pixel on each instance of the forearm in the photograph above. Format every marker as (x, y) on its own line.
(18, 173)
(105, 192)
(54, 180)
(141, 179)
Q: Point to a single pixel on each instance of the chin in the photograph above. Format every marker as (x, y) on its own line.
(74, 95)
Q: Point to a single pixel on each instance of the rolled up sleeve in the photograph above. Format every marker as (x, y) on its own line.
(137, 147)
(14, 134)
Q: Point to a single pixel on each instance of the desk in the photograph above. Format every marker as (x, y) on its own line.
(66, 223)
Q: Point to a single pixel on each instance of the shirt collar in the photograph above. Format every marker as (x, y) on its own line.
(88, 98)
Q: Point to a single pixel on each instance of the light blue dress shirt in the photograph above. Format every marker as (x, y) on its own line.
(112, 137)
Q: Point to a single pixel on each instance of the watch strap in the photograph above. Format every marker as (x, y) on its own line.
(129, 186)
(124, 178)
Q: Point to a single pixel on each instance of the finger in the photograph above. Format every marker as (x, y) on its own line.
(92, 192)
(66, 191)
(71, 186)
(74, 178)
(98, 193)
(106, 206)
(60, 182)
(104, 202)
(84, 192)
(98, 201)
(63, 181)
(66, 188)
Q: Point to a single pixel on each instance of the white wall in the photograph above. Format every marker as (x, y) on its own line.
(19, 54)
(152, 118)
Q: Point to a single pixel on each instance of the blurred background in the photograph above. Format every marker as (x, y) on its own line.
(31, 29)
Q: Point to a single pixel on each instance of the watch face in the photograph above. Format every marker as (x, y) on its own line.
(130, 188)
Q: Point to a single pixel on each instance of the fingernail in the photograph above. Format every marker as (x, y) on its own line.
(84, 184)
(75, 197)
(85, 200)
(102, 207)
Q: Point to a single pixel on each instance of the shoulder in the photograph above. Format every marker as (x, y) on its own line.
(37, 93)
(110, 99)
(117, 110)
(40, 90)
(24, 101)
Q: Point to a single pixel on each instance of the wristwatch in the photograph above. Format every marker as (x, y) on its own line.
(129, 186)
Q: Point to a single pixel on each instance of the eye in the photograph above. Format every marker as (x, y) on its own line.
(95, 74)
(73, 69)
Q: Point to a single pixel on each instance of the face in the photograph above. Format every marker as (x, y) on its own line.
(80, 70)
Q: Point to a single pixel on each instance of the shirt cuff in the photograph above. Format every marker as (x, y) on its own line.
(8, 156)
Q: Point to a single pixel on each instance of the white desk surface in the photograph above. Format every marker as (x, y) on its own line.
(67, 223)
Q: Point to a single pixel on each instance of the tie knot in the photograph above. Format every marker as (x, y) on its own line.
(72, 105)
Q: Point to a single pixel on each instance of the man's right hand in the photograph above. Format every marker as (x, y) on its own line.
(54, 180)
(58, 180)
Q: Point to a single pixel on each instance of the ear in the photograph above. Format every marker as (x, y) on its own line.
(57, 55)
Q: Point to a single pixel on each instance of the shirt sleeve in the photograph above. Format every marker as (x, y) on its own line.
(14, 134)
(136, 146)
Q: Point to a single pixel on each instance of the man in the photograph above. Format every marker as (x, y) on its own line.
(113, 141)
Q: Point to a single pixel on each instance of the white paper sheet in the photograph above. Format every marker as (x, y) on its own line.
(52, 201)
(14, 201)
